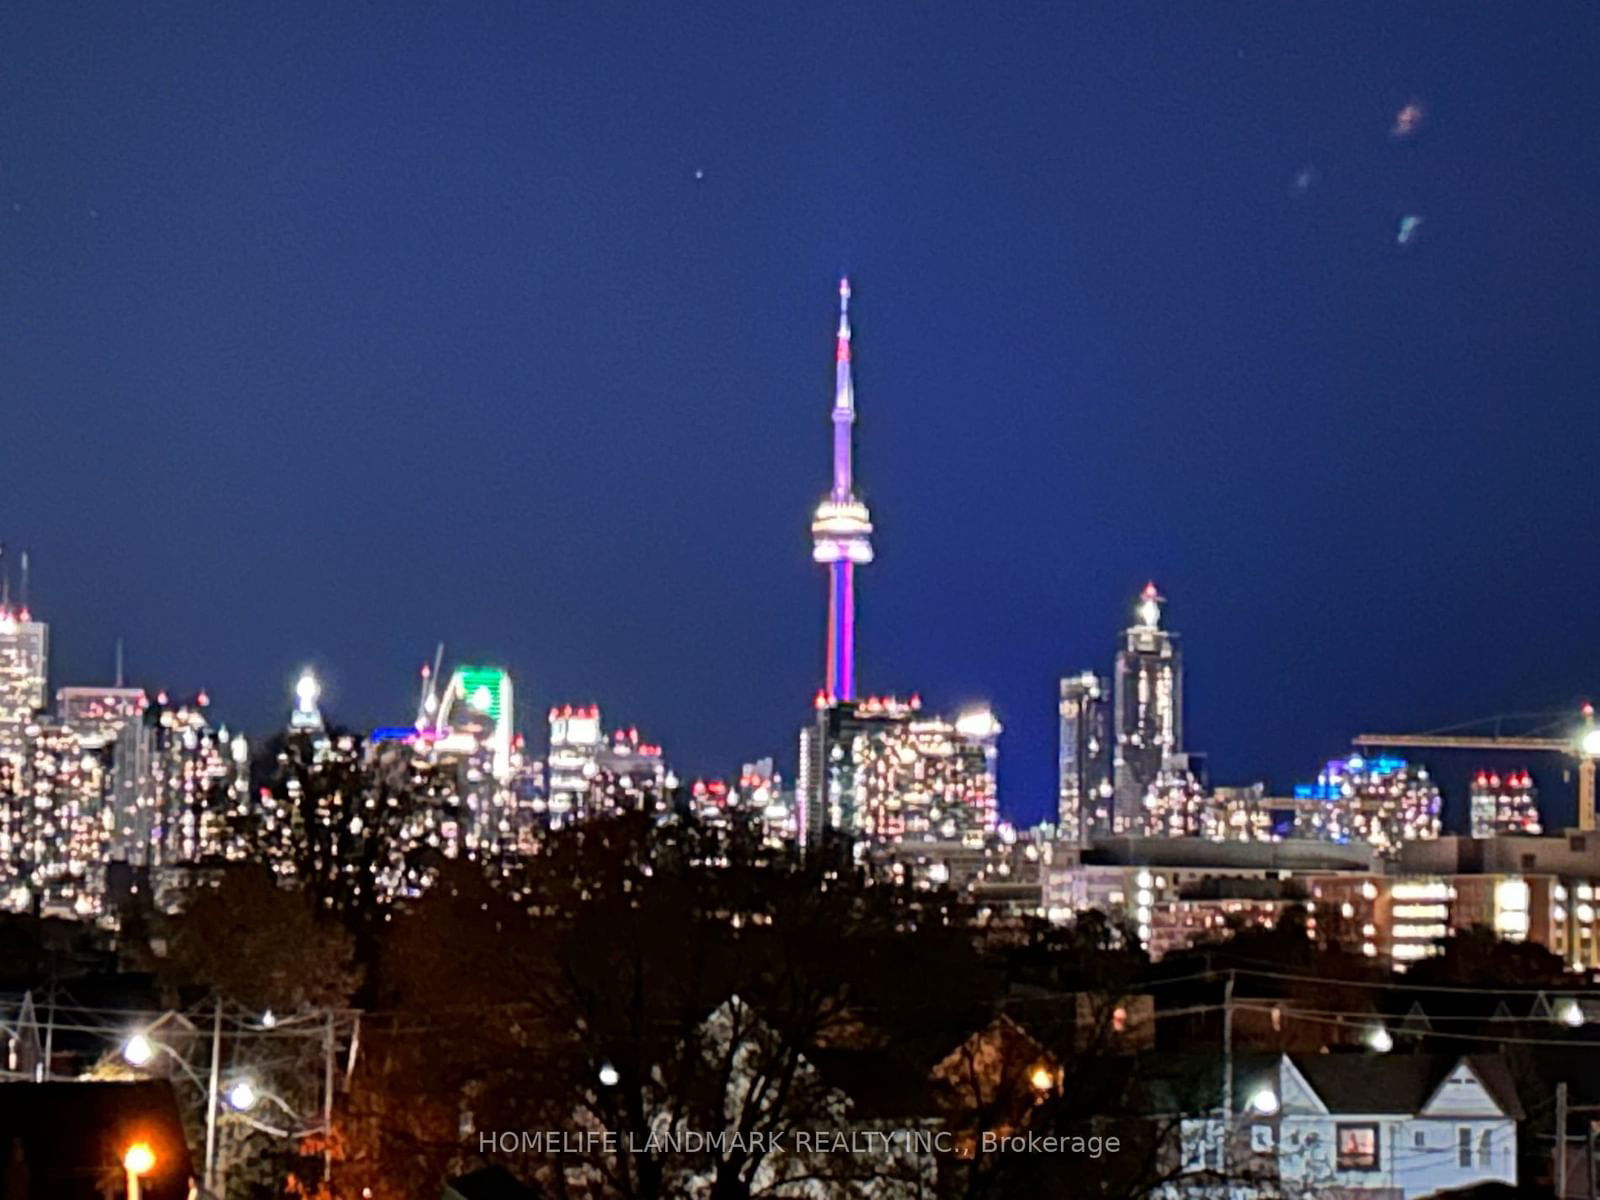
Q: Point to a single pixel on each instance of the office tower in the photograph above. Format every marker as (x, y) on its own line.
(842, 530)
(761, 794)
(1382, 801)
(306, 716)
(477, 710)
(198, 777)
(592, 773)
(1504, 803)
(1084, 796)
(630, 776)
(1149, 709)
(112, 720)
(575, 741)
(880, 772)
(24, 667)
(53, 827)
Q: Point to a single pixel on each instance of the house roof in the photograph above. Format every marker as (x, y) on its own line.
(1345, 1083)
(1399, 1083)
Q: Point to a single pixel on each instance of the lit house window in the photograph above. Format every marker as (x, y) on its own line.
(1358, 1148)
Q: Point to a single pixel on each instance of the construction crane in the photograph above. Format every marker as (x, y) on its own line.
(1583, 744)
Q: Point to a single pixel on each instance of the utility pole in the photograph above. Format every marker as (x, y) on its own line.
(1227, 1074)
(49, 1031)
(1561, 1141)
(327, 1100)
(211, 1098)
(1588, 1156)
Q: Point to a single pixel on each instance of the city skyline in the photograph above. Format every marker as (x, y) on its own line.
(538, 381)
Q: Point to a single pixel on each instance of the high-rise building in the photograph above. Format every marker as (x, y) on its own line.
(24, 667)
(593, 773)
(881, 772)
(477, 710)
(1084, 796)
(198, 777)
(1149, 709)
(53, 829)
(1504, 803)
(111, 719)
(1383, 801)
(841, 530)
(306, 716)
(576, 740)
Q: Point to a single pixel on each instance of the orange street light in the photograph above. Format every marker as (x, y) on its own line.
(138, 1160)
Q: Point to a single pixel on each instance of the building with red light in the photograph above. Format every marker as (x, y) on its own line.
(1504, 803)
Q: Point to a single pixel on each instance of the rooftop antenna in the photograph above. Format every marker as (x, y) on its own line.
(427, 703)
(24, 583)
(5, 580)
(119, 662)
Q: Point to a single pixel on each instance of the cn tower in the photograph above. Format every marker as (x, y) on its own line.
(841, 531)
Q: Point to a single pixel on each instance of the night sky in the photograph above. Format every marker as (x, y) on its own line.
(330, 331)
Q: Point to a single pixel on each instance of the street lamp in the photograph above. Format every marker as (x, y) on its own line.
(137, 1160)
(1263, 1101)
(608, 1075)
(1380, 1040)
(242, 1096)
(139, 1050)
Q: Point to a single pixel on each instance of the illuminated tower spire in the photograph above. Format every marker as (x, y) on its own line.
(841, 532)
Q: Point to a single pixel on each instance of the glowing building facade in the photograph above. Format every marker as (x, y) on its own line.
(112, 720)
(53, 832)
(1149, 710)
(1084, 793)
(477, 710)
(879, 771)
(591, 772)
(1382, 801)
(198, 777)
(1504, 803)
(576, 740)
(24, 667)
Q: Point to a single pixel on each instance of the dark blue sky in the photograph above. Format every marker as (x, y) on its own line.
(329, 331)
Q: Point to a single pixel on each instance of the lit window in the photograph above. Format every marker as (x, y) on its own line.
(1358, 1147)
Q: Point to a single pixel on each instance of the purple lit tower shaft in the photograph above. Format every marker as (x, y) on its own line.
(841, 531)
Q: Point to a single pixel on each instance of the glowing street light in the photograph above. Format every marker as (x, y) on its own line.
(1380, 1040)
(1041, 1078)
(1263, 1101)
(139, 1050)
(608, 1075)
(139, 1159)
(242, 1096)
